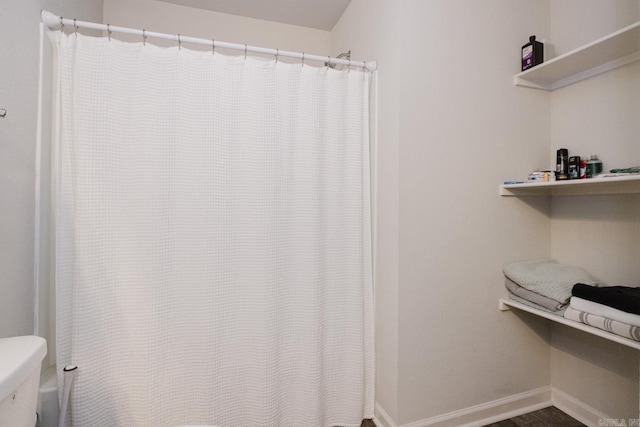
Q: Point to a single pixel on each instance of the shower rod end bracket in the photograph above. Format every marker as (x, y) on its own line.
(49, 19)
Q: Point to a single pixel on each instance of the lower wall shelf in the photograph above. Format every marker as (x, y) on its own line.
(507, 304)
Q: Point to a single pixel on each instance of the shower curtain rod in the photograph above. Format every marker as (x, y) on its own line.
(53, 21)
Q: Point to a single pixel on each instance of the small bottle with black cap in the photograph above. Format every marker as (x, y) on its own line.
(532, 53)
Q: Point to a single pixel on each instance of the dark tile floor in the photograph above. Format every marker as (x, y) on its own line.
(547, 417)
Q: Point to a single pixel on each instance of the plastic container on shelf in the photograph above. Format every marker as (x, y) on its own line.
(594, 166)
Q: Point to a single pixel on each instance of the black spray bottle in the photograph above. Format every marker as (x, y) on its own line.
(532, 53)
(562, 164)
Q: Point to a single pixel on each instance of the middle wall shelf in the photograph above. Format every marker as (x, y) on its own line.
(628, 184)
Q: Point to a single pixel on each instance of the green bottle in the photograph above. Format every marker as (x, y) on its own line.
(594, 166)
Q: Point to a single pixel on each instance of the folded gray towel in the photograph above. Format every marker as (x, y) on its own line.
(548, 277)
(536, 306)
(535, 298)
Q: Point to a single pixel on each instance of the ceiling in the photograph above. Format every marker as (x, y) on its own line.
(319, 14)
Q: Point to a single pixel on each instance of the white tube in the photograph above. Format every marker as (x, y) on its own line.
(69, 373)
(53, 21)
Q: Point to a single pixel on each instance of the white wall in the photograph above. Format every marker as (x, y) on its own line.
(454, 130)
(19, 51)
(169, 18)
(464, 130)
(578, 22)
(600, 233)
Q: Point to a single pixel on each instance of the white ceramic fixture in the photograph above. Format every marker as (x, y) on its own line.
(20, 359)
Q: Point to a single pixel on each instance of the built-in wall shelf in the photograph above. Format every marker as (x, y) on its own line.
(609, 52)
(507, 304)
(576, 187)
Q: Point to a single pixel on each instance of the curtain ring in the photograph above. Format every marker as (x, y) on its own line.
(61, 25)
(303, 59)
(328, 61)
(213, 47)
(245, 51)
(109, 31)
(179, 43)
(144, 37)
(75, 27)
(277, 53)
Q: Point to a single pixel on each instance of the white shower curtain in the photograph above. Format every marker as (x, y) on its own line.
(213, 238)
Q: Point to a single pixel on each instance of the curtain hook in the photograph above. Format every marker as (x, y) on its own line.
(109, 31)
(245, 51)
(61, 25)
(277, 53)
(179, 43)
(144, 37)
(328, 61)
(75, 27)
(213, 46)
(303, 59)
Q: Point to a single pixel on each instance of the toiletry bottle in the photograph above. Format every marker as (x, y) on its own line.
(583, 168)
(562, 164)
(532, 53)
(594, 166)
(574, 167)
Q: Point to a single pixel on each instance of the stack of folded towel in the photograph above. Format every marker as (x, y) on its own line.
(615, 309)
(544, 284)
(571, 292)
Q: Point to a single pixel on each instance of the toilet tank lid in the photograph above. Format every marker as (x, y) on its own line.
(19, 356)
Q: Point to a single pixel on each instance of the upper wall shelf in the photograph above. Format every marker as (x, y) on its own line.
(609, 52)
(612, 185)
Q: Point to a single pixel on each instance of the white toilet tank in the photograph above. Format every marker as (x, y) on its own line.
(20, 359)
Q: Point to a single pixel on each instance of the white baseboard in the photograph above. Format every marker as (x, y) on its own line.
(582, 412)
(382, 419)
(479, 415)
(502, 409)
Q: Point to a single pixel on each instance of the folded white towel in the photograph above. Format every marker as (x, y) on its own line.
(604, 311)
(604, 323)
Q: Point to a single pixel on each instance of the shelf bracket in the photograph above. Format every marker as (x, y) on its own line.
(502, 306)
